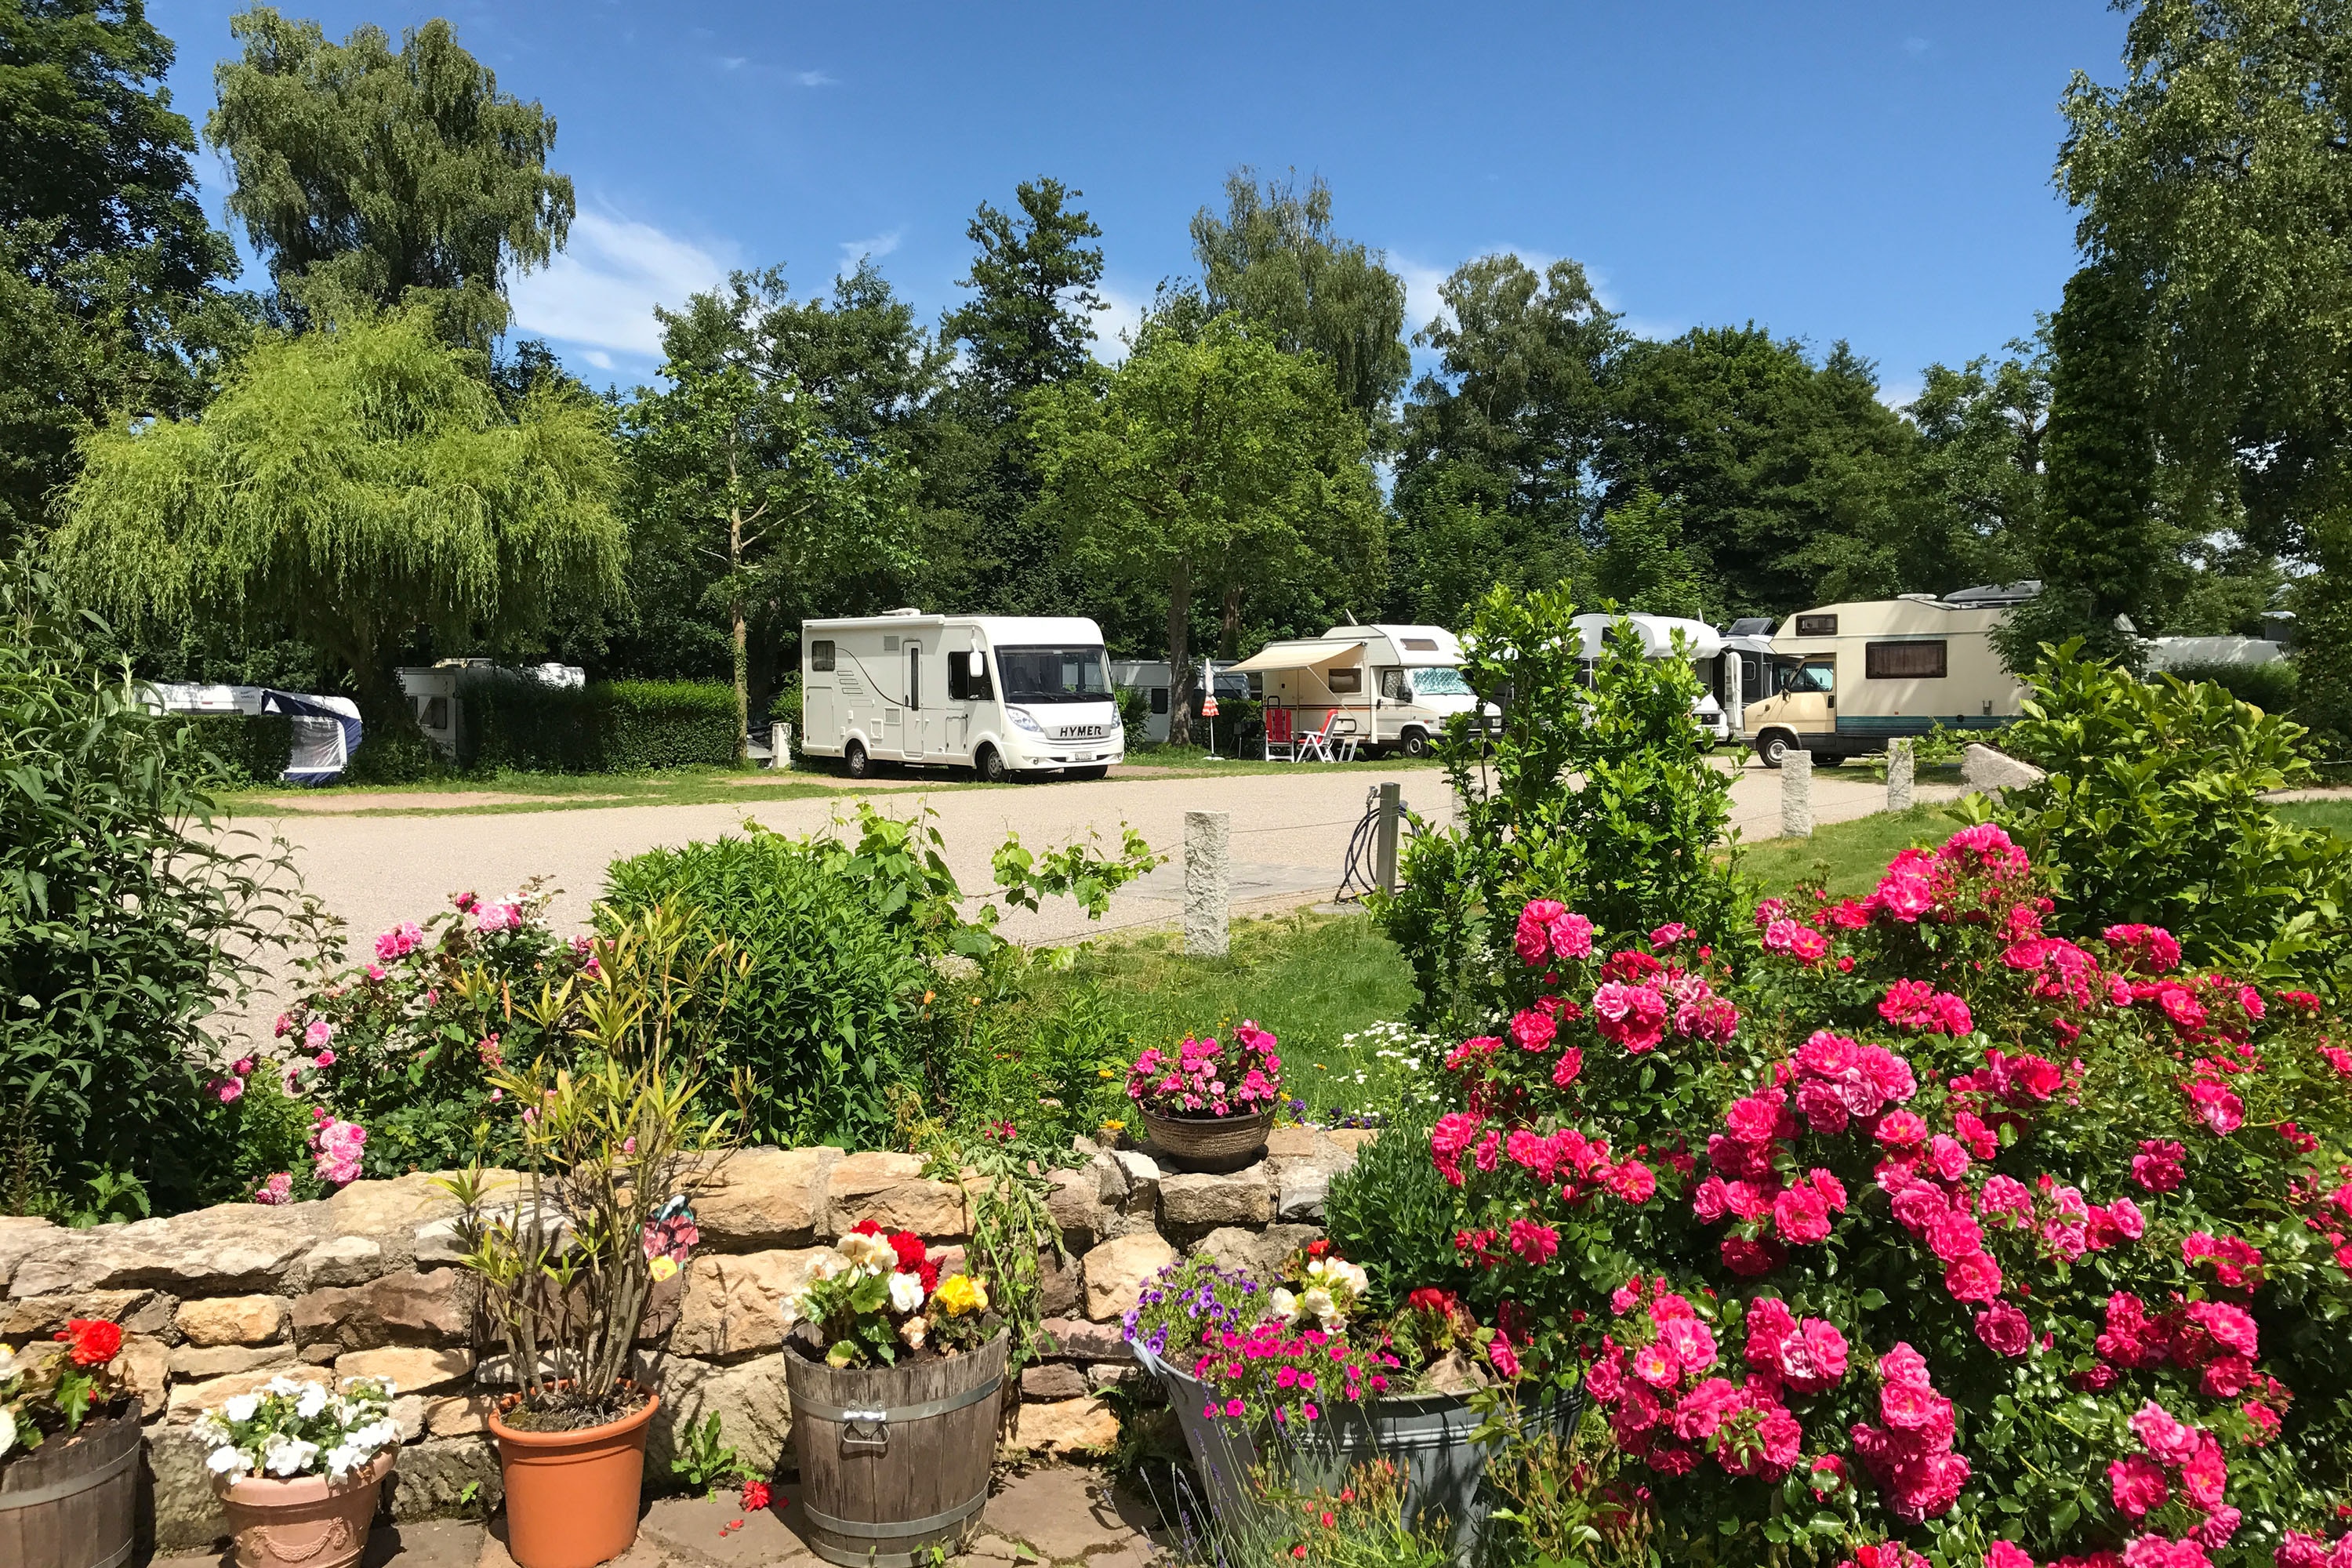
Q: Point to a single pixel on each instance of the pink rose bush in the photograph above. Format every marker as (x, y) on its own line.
(1910, 1232)
(1208, 1078)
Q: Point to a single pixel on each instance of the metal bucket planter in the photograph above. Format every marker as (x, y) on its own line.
(1428, 1433)
(69, 1504)
(894, 1460)
(1214, 1144)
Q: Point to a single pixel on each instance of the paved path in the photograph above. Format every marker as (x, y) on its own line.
(1055, 1515)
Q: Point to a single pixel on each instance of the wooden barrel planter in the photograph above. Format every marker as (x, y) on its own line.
(1212, 1144)
(71, 1504)
(894, 1459)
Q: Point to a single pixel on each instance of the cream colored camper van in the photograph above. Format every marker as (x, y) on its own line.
(1847, 678)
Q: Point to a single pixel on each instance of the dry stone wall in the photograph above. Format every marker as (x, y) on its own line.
(219, 1301)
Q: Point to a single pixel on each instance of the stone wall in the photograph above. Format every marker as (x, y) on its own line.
(218, 1302)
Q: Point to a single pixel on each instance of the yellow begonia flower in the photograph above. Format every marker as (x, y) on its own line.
(961, 1294)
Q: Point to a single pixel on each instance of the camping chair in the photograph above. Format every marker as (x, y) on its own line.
(1279, 736)
(1317, 744)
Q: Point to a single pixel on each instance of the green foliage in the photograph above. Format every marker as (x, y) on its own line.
(704, 1461)
(125, 918)
(605, 727)
(359, 483)
(2273, 687)
(245, 749)
(1391, 1214)
(1645, 565)
(1599, 796)
(1030, 321)
(1274, 260)
(370, 176)
(1012, 1234)
(2152, 814)
(1135, 717)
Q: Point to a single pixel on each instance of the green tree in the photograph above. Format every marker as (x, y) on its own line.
(365, 173)
(1035, 282)
(1643, 564)
(1496, 447)
(107, 265)
(1792, 477)
(2097, 550)
(1273, 260)
(1981, 430)
(736, 464)
(354, 484)
(1203, 445)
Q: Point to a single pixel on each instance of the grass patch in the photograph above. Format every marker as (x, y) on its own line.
(2334, 816)
(1313, 979)
(1850, 855)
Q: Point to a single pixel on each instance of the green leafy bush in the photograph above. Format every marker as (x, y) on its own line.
(2152, 814)
(2272, 687)
(1394, 1215)
(246, 749)
(606, 727)
(125, 921)
(1597, 794)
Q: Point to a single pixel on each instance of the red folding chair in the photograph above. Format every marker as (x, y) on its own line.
(1278, 736)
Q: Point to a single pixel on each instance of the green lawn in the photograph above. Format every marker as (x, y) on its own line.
(2335, 816)
(1849, 854)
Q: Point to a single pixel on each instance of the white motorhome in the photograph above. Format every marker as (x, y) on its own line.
(1848, 678)
(1663, 636)
(1150, 676)
(1387, 686)
(1003, 695)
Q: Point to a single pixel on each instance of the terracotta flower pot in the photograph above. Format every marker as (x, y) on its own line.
(1210, 1143)
(571, 1497)
(305, 1521)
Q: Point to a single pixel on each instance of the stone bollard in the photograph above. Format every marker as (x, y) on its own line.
(1898, 774)
(1208, 885)
(1797, 794)
(780, 741)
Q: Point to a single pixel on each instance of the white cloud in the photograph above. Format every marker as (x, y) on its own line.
(853, 251)
(1422, 304)
(1115, 325)
(1915, 48)
(733, 62)
(815, 79)
(600, 291)
(597, 357)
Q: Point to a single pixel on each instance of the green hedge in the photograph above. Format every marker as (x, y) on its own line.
(2270, 687)
(250, 748)
(606, 727)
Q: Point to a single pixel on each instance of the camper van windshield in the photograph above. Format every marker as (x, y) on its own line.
(1055, 674)
(1437, 682)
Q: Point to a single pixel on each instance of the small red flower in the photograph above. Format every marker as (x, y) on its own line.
(93, 1342)
(755, 1497)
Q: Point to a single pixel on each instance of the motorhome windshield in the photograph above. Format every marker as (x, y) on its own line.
(1439, 682)
(1055, 674)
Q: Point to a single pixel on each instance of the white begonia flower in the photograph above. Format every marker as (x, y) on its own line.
(343, 1458)
(7, 1430)
(312, 1401)
(827, 1266)
(7, 1362)
(284, 1386)
(913, 1331)
(1318, 1303)
(241, 1406)
(794, 1307)
(223, 1460)
(906, 1292)
(1283, 1304)
(1355, 1279)
(284, 1456)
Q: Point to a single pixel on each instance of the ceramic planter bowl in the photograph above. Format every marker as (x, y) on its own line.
(1214, 1144)
(306, 1521)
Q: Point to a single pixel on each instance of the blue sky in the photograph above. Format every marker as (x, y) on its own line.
(1877, 172)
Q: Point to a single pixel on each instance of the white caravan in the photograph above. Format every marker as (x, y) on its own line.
(1388, 686)
(1150, 676)
(1001, 695)
(1712, 657)
(1850, 677)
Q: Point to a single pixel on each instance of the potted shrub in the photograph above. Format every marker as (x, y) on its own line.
(69, 1451)
(569, 1258)
(300, 1468)
(1207, 1105)
(896, 1377)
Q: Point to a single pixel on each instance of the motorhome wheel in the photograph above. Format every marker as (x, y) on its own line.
(1414, 744)
(853, 758)
(989, 766)
(1773, 746)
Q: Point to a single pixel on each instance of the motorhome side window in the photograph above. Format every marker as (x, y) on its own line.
(821, 655)
(1817, 625)
(1903, 660)
(1392, 686)
(1159, 700)
(963, 684)
(1345, 682)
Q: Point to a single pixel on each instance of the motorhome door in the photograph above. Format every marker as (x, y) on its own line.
(967, 681)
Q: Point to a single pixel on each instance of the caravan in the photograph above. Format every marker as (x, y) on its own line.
(1383, 685)
(1712, 655)
(1003, 695)
(1848, 678)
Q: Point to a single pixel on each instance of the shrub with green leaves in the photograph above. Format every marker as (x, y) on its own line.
(1595, 790)
(2153, 813)
(608, 727)
(127, 916)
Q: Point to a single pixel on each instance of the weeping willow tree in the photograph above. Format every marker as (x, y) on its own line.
(359, 481)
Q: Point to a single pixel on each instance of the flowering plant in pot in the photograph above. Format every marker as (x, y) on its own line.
(1907, 1230)
(69, 1445)
(1208, 1104)
(874, 1297)
(299, 1467)
(611, 1150)
(48, 1390)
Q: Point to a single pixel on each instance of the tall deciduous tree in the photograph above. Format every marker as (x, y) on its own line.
(1204, 445)
(366, 173)
(1643, 564)
(354, 484)
(1274, 260)
(735, 462)
(1982, 429)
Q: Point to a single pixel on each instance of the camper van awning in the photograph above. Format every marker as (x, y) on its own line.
(1294, 656)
